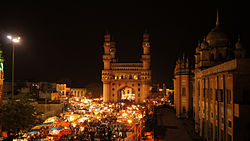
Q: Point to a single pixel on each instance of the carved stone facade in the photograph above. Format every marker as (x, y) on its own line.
(221, 88)
(125, 81)
(183, 88)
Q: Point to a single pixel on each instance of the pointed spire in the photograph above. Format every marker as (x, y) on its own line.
(107, 31)
(107, 37)
(217, 21)
(179, 60)
(199, 43)
(204, 39)
(238, 44)
(146, 30)
(239, 38)
(146, 35)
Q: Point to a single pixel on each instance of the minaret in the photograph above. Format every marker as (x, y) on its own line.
(1, 77)
(217, 20)
(113, 50)
(107, 56)
(239, 51)
(146, 73)
(146, 51)
(106, 75)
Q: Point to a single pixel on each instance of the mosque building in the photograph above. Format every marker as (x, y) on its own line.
(216, 93)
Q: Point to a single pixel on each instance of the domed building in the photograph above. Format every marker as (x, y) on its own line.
(217, 88)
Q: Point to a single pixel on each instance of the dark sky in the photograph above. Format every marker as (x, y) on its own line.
(65, 42)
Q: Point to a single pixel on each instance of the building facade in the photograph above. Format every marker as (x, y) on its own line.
(183, 88)
(125, 81)
(78, 92)
(61, 89)
(221, 90)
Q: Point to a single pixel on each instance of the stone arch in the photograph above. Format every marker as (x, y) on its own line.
(126, 92)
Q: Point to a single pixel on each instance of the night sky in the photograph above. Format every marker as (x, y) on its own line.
(65, 42)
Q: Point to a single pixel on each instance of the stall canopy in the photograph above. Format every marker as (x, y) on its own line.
(56, 128)
(62, 123)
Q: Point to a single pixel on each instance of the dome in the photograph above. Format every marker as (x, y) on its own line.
(217, 36)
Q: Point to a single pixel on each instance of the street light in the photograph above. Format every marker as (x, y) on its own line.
(14, 40)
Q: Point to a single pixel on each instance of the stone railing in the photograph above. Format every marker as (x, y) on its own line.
(227, 66)
(126, 66)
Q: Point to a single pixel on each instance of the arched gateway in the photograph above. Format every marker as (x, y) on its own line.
(125, 81)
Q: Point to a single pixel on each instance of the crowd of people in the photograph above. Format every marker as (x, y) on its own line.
(89, 120)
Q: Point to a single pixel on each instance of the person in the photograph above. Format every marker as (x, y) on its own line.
(10, 136)
(109, 133)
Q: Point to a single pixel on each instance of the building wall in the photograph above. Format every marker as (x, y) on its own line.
(48, 110)
(183, 88)
(215, 101)
(221, 87)
(61, 88)
(78, 92)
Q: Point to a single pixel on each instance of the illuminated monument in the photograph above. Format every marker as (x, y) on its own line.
(125, 81)
(1, 77)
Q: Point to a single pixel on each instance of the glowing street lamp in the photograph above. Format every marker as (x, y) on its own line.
(14, 40)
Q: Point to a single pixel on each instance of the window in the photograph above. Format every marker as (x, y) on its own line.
(113, 89)
(139, 89)
(229, 124)
(212, 57)
(139, 84)
(184, 109)
(211, 94)
(220, 57)
(138, 95)
(113, 95)
(113, 84)
(204, 93)
(219, 95)
(183, 91)
(229, 137)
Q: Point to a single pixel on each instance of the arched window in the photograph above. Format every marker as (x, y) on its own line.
(220, 56)
(212, 57)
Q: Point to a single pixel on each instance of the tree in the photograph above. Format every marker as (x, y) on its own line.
(18, 115)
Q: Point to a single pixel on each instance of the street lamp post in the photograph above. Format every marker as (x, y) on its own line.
(14, 40)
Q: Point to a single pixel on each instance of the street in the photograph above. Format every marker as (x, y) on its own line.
(169, 128)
